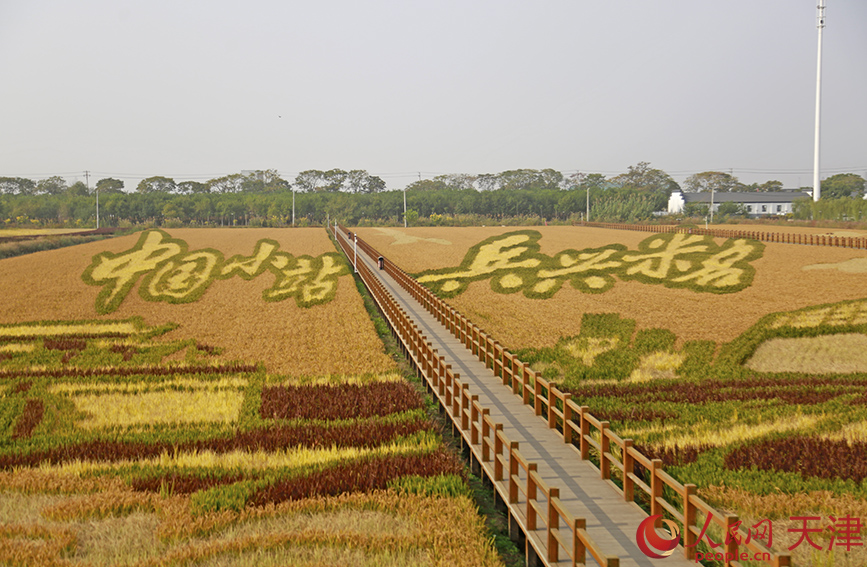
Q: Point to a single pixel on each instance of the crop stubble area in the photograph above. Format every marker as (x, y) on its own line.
(150, 415)
(756, 392)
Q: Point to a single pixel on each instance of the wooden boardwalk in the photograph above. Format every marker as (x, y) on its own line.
(547, 510)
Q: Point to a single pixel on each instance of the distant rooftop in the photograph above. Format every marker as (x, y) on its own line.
(747, 197)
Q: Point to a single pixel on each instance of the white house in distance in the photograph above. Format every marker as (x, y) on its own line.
(756, 204)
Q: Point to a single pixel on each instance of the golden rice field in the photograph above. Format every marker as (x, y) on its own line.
(781, 284)
(231, 314)
(740, 364)
(208, 397)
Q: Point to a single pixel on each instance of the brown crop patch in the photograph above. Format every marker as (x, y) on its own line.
(30, 418)
(809, 456)
(360, 476)
(806, 390)
(338, 402)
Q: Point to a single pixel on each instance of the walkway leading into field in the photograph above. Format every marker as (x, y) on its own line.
(610, 521)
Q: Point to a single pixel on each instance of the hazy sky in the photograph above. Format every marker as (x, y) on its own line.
(196, 90)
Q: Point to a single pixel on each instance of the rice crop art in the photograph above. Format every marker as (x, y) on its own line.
(119, 446)
(513, 262)
(172, 273)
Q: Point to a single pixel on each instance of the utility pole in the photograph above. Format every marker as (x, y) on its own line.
(87, 184)
(820, 24)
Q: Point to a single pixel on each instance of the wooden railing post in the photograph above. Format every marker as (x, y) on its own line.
(656, 485)
(604, 449)
(537, 394)
(689, 512)
(579, 550)
(552, 407)
(585, 432)
(730, 542)
(498, 450)
(474, 418)
(628, 468)
(553, 525)
(567, 419)
(531, 496)
(513, 472)
(525, 385)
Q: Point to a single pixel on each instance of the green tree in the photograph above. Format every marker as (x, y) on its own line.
(233, 183)
(109, 185)
(17, 186)
(642, 177)
(193, 187)
(77, 189)
(359, 181)
(708, 181)
(51, 186)
(156, 184)
(843, 185)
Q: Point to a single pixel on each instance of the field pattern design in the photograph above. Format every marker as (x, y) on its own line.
(513, 262)
(172, 273)
(105, 421)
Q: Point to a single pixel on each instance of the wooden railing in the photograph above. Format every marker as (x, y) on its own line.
(764, 236)
(534, 504)
(593, 438)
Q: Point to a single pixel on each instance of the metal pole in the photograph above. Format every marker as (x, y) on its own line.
(293, 206)
(711, 204)
(355, 260)
(820, 23)
(588, 204)
(404, 207)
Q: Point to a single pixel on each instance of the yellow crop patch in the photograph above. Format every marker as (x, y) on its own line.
(202, 405)
(95, 328)
(290, 458)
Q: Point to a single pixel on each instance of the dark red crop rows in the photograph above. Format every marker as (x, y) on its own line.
(359, 476)
(343, 401)
(64, 344)
(365, 434)
(633, 414)
(806, 455)
(789, 390)
(356, 476)
(673, 456)
(126, 350)
(30, 418)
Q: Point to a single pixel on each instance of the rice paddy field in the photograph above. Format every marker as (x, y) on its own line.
(738, 363)
(214, 397)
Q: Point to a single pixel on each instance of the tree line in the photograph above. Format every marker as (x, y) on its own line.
(263, 198)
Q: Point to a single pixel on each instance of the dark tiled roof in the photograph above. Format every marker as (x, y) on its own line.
(750, 197)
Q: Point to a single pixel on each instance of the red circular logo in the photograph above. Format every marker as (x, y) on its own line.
(651, 543)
